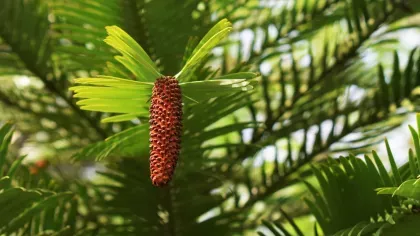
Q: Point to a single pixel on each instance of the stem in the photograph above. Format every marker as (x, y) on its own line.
(170, 227)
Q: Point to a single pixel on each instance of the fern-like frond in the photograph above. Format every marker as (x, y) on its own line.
(80, 27)
(26, 210)
(345, 203)
(31, 44)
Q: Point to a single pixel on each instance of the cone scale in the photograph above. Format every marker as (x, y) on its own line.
(165, 129)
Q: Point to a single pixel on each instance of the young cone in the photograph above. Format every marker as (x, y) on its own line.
(165, 129)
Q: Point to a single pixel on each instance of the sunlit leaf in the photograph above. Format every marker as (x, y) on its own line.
(125, 117)
(210, 40)
(203, 90)
(409, 189)
(134, 57)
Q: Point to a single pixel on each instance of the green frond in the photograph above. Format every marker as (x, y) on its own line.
(32, 110)
(130, 142)
(409, 188)
(10, 64)
(210, 40)
(5, 138)
(113, 82)
(82, 24)
(168, 31)
(32, 47)
(49, 202)
(20, 207)
(134, 57)
(115, 95)
(118, 95)
(346, 204)
(204, 90)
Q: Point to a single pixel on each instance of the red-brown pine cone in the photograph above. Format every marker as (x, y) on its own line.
(165, 129)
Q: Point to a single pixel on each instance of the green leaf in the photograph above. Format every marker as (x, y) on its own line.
(395, 172)
(382, 171)
(109, 92)
(45, 204)
(132, 141)
(396, 80)
(134, 57)
(115, 106)
(342, 181)
(210, 40)
(116, 95)
(322, 207)
(370, 228)
(238, 75)
(115, 82)
(389, 190)
(13, 201)
(416, 142)
(125, 117)
(6, 134)
(204, 90)
(384, 89)
(412, 163)
(418, 121)
(14, 166)
(408, 74)
(409, 189)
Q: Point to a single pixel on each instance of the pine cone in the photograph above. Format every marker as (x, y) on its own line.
(165, 129)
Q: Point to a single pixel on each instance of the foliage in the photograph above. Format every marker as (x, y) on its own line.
(388, 211)
(332, 79)
(29, 200)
